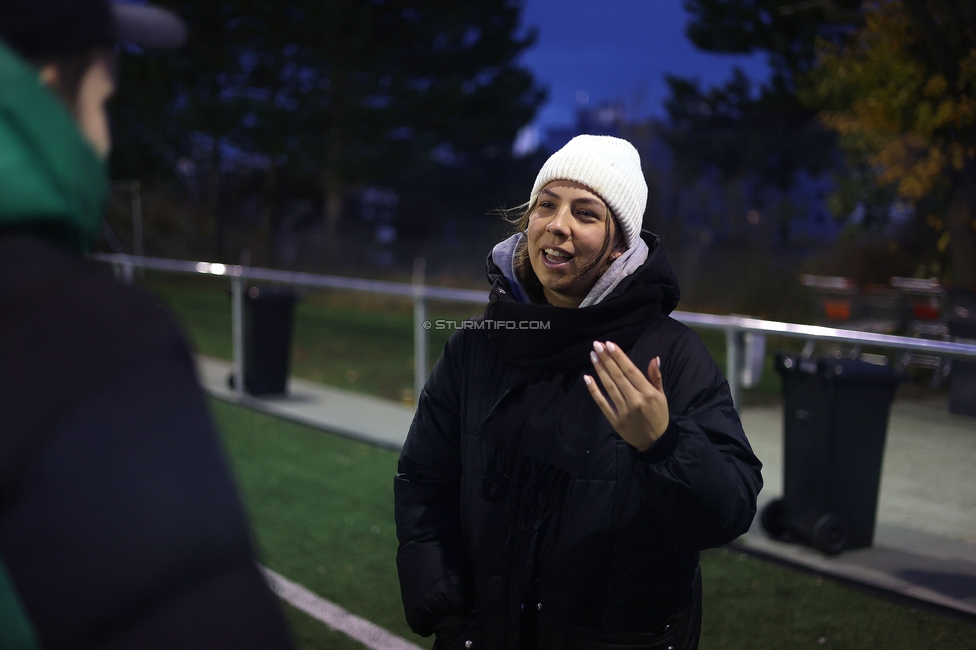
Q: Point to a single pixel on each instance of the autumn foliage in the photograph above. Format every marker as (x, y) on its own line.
(900, 91)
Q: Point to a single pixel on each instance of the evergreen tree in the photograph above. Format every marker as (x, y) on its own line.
(352, 91)
(761, 134)
(787, 31)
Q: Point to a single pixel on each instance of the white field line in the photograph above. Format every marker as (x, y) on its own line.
(369, 634)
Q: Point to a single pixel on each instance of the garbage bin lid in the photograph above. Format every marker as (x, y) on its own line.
(838, 370)
(267, 294)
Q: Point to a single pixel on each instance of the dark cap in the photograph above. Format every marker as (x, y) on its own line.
(42, 30)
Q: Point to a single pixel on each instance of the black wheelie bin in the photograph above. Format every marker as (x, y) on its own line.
(962, 379)
(268, 320)
(834, 428)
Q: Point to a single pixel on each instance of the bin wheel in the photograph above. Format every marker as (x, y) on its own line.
(772, 519)
(829, 534)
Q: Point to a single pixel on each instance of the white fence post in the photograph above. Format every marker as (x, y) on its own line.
(237, 332)
(753, 358)
(127, 271)
(734, 348)
(420, 326)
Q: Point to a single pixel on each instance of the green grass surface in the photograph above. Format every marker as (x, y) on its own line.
(322, 509)
(749, 605)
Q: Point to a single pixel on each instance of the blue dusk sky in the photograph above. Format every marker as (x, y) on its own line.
(608, 50)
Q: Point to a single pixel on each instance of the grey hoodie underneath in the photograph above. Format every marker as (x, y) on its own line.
(504, 252)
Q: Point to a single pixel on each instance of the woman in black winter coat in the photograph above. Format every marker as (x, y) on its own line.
(574, 448)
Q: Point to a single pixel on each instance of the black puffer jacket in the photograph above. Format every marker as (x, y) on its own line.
(523, 518)
(120, 522)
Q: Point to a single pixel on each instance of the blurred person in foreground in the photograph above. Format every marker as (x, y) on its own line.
(575, 447)
(120, 523)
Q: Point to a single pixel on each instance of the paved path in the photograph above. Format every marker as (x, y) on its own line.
(925, 538)
(349, 414)
(925, 542)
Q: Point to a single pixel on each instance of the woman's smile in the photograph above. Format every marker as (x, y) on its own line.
(556, 258)
(569, 241)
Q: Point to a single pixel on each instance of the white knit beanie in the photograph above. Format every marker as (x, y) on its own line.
(611, 168)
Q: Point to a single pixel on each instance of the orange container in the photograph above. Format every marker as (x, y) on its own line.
(837, 309)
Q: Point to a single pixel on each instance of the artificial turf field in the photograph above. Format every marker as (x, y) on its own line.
(322, 506)
(322, 510)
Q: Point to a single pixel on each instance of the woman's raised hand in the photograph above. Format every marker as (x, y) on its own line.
(637, 408)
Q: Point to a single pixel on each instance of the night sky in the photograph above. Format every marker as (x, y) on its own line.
(617, 50)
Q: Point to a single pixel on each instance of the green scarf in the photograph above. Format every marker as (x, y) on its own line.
(49, 173)
(17, 631)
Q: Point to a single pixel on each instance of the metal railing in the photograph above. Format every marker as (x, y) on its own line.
(736, 328)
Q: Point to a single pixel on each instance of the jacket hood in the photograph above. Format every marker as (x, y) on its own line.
(646, 263)
(49, 173)
(563, 337)
(503, 255)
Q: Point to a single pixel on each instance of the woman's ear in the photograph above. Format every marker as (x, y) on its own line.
(619, 245)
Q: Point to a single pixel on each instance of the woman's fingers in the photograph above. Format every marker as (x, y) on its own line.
(601, 401)
(604, 359)
(654, 374)
(610, 383)
(637, 407)
(638, 380)
(627, 367)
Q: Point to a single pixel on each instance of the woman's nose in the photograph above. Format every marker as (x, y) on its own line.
(560, 222)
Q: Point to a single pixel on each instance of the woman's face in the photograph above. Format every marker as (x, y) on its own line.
(566, 233)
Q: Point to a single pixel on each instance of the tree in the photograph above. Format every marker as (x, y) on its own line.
(901, 94)
(761, 134)
(752, 139)
(416, 79)
(738, 131)
(356, 91)
(166, 102)
(787, 30)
